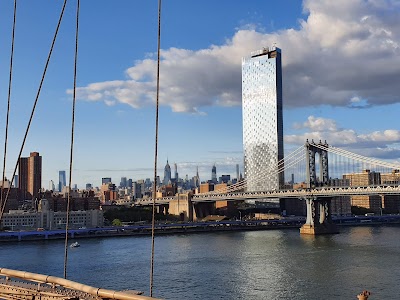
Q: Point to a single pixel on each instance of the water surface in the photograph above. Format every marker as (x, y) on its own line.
(270, 264)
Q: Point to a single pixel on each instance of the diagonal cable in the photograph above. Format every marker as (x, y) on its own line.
(72, 139)
(155, 151)
(8, 106)
(34, 105)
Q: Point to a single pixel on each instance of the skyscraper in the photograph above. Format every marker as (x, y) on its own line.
(167, 174)
(214, 174)
(52, 187)
(62, 180)
(262, 119)
(30, 176)
(123, 182)
(176, 172)
(105, 180)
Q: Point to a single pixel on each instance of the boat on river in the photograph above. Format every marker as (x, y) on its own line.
(74, 245)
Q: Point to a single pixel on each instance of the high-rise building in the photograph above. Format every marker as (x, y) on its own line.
(237, 172)
(15, 181)
(123, 182)
(214, 174)
(196, 179)
(30, 176)
(167, 174)
(62, 180)
(262, 119)
(129, 183)
(224, 179)
(105, 180)
(147, 183)
(52, 186)
(176, 173)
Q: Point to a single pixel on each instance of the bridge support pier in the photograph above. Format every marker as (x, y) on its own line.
(319, 220)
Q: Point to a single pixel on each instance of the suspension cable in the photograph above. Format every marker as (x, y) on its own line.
(8, 105)
(34, 105)
(72, 139)
(283, 165)
(359, 157)
(155, 151)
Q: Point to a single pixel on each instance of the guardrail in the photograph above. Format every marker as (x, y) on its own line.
(58, 286)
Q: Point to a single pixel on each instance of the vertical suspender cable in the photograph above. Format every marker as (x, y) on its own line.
(8, 104)
(155, 151)
(72, 139)
(34, 105)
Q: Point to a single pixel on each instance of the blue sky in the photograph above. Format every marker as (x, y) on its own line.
(341, 68)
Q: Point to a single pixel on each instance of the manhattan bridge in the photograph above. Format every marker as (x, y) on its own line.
(324, 174)
(325, 171)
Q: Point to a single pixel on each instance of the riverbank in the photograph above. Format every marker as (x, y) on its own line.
(186, 228)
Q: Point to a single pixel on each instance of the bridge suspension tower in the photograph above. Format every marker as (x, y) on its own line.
(319, 220)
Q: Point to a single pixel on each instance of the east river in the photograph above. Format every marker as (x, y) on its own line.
(267, 264)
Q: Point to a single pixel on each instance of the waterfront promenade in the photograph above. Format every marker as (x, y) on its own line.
(190, 227)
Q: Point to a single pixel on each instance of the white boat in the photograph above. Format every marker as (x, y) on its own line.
(74, 245)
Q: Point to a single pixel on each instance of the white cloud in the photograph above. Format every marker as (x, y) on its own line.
(383, 144)
(320, 124)
(344, 51)
(387, 136)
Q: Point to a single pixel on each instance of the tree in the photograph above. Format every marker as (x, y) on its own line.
(117, 222)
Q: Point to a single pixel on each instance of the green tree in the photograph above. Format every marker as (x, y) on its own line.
(117, 222)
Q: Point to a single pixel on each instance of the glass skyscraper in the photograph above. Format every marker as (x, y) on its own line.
(214, 174)
(262, 119)
(62, 180)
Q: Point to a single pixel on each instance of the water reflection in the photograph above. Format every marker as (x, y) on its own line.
(274, 264)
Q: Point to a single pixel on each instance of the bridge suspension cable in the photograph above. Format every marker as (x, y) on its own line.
(261, 177)
(288, 161)
(72, 139)
(34, 106)
(155, 151)
(358, 157)
(8, 108)
(342, 162)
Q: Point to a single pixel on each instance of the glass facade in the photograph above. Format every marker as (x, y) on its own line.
(262, 119)
(62, 180)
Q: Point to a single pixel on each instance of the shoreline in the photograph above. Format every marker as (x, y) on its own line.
(186, 228)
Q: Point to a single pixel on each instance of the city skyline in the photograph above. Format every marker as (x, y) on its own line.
(341, 61)
(118, 180)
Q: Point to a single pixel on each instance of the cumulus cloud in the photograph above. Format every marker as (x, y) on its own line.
(320, 124)
(345, 53)
(382, 144)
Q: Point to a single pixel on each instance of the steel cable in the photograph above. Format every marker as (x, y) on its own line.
(34, 105)
(155, 151)
(72, 138)
(8, 106)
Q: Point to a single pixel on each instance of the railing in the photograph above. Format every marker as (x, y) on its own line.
(294, 193)
(41, 286)
(301, 193)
